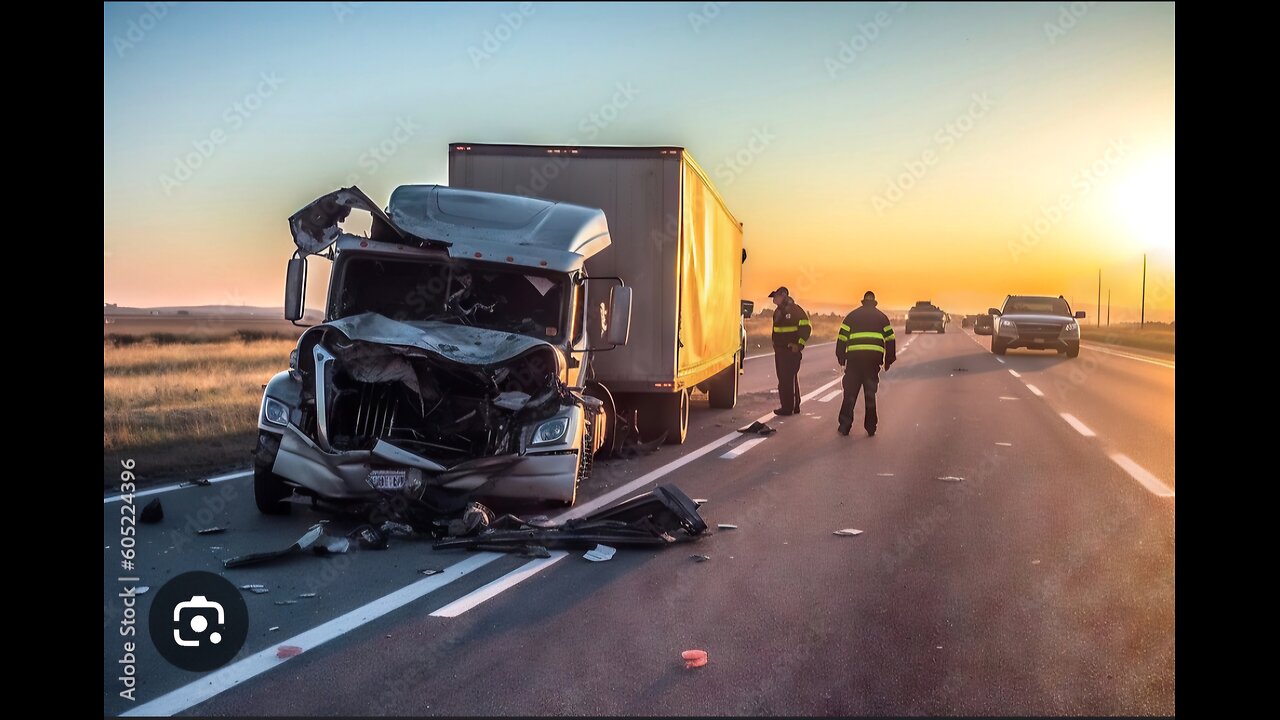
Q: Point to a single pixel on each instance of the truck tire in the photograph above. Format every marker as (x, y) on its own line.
(722, 391)
(601, 393)
(997, 347)
(269, 489)
(672, 416)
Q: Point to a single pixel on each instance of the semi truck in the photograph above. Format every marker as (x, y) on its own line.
(674, 242)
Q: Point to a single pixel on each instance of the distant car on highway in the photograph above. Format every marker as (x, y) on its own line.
(926, 316)
(1036, 322)
(982, 325)
(967, 321)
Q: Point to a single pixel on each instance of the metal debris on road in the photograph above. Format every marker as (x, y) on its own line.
(847, 532)
(330, 545)
(757, 428)
(211, 531)
(152, 513)
(307, 540)
(370, 537)
(950, 478)
(273, 628)
(700, 558)
(727, 526)
(288, 651)
(600, 553)
(397, 528)
(694, 658)
(307, 595)
(429, 571)
(255, 589)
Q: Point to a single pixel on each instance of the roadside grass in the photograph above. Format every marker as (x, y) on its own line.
(1155, 336)
(760, 332)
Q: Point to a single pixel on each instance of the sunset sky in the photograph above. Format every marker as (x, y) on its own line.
(950, 152)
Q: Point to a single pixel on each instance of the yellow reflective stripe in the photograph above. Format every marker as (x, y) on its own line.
(785, 328)
(875, 334)
(888, 329)
(889, 337)
(804, 322)
(842, 338)
(801, 342)
(845, 328)
(877, 348)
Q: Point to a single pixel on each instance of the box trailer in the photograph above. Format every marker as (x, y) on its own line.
(674, 242)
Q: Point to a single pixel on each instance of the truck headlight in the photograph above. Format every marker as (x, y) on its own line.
(1071, 327)
(550, 431)
(276, 412)
(1007, 324)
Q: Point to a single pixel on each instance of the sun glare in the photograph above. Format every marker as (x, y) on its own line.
(1143, 201)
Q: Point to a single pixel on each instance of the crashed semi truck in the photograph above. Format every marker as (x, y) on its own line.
(453, 354)
(674, 242)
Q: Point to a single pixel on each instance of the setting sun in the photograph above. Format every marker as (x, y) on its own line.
(1143, 201)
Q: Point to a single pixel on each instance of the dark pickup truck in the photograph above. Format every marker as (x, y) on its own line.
(926, 316)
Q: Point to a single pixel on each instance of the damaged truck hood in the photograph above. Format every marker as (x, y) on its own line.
(462, 344)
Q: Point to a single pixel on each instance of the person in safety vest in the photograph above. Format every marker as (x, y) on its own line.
(791, 330)
(864, 343)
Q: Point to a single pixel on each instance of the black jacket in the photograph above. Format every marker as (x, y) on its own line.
(790, 325)
(866, 337)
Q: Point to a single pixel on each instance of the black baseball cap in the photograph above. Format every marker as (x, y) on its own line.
(779, 291)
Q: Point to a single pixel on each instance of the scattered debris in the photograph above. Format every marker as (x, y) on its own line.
(757, 428)
(847, 532)
(700, 558)
(950, 478)
(255, 589)
(288, 651)
(1005, 444)
(512, 400)
(286, 602)
(600, 553)
(370, 537)
(211, 531)
(330, 545)
(302, 543)
(152, 513)
(202, 482)
(307, 595)
(536, 551)
(700, 501)
(273, 628)
(397, 528)
(727, 526)
(430, 571)
(694, 658)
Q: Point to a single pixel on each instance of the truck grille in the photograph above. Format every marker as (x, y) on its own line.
(1039, 330)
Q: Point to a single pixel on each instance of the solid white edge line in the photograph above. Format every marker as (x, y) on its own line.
(1034, 390)
(831, 396)
(1000, 360)
(489, 590)
(1015, 373)
(1094, 347)
(179, 486)
(1080, 427)
(207, 686)
(1139, 473)
(743, 447)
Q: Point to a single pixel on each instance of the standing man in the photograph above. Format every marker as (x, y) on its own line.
(790, 332)
(865, 341)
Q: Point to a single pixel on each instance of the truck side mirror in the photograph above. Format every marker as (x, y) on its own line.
(993, 311)
(748, 308)
(619, 316)
(1080, 314)
(295, 289)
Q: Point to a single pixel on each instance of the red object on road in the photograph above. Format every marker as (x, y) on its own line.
(288, 651)
(694, 658)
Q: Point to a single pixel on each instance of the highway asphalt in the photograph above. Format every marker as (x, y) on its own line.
(1017, 557)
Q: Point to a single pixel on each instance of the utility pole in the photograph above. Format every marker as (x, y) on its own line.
(1108, 307)
(1142, 319)
(1097, 321)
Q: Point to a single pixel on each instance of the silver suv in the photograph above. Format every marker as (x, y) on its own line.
(1036, 322)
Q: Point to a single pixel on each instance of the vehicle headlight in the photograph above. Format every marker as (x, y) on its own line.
(550, 431)
(276, 412)
(1071, 327)
(1007, 324)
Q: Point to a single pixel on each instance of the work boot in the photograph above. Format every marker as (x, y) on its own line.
(782, 413)
(843, 430)
(871, 432)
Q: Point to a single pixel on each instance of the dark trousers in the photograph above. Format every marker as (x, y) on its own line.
(787, 364)
(859, 376)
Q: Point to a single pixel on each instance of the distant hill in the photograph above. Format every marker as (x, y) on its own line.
(221, 311)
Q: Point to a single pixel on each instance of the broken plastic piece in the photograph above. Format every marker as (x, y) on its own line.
(694, 658)
(330, 545)
(370, 537)
(211, 531)
(727, 526)
(302, 543)
(600, 553)
(430, 571)
(397, 528)
(847, 532)
(950, 478)
(700, 558)
(701, 501)
(152, 513)
(273, 628)
(288, 651)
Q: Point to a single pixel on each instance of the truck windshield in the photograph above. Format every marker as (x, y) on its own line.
(1038, 306)
(415, 290)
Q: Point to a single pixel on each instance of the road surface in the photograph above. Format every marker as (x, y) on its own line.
(1036, 578)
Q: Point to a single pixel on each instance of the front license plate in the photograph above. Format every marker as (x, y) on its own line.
(388, 479)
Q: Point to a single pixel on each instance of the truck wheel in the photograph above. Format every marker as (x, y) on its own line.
(269, 489)
(673, 416)
(997, 347)
(723, 390)
(610, 410)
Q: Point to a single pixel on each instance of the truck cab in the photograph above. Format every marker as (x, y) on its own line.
(452, 355)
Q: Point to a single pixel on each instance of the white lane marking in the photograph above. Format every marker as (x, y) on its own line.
(1140, 358)
(611, 496)
(1080, 427)
(1139, 473)
(479, 595)
(1005, 444)
(740, 449)
(207, 686)
(806, 347)
(1034, 390)
(1006, 397)
(831, 396)
(179, 486)
(1015, 373)
(1000, 360)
